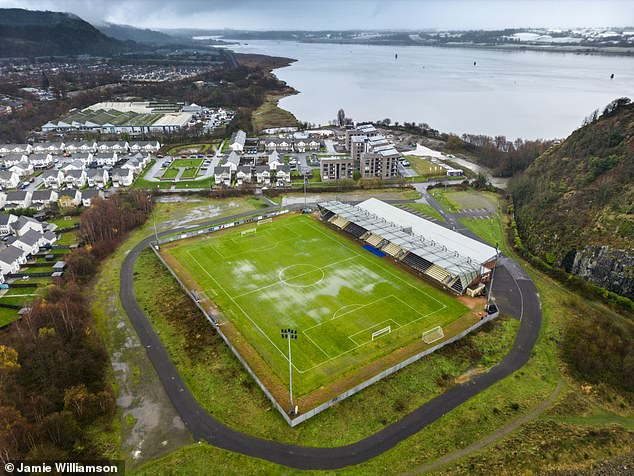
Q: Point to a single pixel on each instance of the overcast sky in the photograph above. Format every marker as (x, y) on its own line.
(343, 14)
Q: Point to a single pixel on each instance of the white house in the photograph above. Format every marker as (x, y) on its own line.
(11, 258)
(283, 175)
(15, 149)
(9, 179)
(274, 160)
(89, 194)
(237, 141)
(243, 174)
(97, 177)
(73, 165)
(24, 224)
(29, 242)
(84, 158)
(145, 146)
(134, 165)
(23, 168)
(222, 175)
(52, 178)
(10, 160)
(83, 146)
(43, 198)
(121, 147)
(20, 199)
(107, 158)
(262, 174)
(48, 147)
(3, 199)
(75, 178)
(48, 238)
(232, 161)
(122, 177)
(6, 220)
(41, 161)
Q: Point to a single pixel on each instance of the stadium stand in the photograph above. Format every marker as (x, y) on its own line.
(441, 255)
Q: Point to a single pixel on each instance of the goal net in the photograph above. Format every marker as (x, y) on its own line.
(246, 232)
(266, 220)
(380, 332)
(432, 335)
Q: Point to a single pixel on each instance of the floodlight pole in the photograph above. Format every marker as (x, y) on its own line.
(497, 253)
(154, 220)
(305, 176)
(290, 334)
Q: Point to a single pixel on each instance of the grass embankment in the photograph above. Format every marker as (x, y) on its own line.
(557, 439)
(270, 115)
(201, 148)
(454, 200)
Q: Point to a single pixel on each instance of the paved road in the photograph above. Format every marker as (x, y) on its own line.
(204, 426)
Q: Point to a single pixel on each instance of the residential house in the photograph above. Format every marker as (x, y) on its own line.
(89, 194)
(122, 177)
(73, 165)
(19, 199)
(233, 161)
(9, 179)
(145, 146)
(107, 158)
(75, 178)
(3, 199)
(24, 224)
(83, 146)
(41, 161)
(11, 258)
(283, 175)
(10, 160)
(6, 220)
(44, 198)
(262, 174)
(236, 143)
(243, 175)
(120, 147)
(69, 198)
(15, 149)
(85, 158)
(29, 242)
(274, 160)
(52, 178)
(222, 175)
(97, 177)
(134, 165)
(23, 169)
(48, 147)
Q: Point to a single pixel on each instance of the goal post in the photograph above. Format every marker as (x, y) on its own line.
(246, 232)
(433, 335)
(265, 220)
(380, 332)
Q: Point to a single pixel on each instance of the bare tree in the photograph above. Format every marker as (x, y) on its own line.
(341, 117)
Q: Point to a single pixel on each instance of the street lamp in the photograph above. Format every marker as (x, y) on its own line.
(154, 220)
(497, 254)
(290, 334)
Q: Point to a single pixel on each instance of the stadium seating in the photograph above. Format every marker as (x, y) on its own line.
(457, 286)
(355, 230)
(327, 216)
(437, 273)
(374, 240)
(392, 249)
(416, 262)
(340, 222)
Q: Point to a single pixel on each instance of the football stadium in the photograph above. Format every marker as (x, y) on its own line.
(362, 288)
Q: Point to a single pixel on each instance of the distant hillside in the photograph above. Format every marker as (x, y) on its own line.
(575, 204)
(38, 33)
(130, 33)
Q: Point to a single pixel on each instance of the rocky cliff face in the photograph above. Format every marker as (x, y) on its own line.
(574, 206)
(605, 267)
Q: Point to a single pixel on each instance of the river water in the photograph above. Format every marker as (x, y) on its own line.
(527, 94)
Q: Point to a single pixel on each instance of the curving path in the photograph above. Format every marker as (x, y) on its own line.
(204, 427)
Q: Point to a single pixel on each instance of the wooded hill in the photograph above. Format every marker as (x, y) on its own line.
(575, 204)
(25, 33)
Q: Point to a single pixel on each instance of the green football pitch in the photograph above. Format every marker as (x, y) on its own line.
(348, 305)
